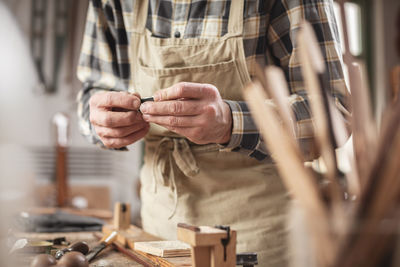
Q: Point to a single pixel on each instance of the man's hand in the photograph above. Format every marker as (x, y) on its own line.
(193, 110)
(116, 118)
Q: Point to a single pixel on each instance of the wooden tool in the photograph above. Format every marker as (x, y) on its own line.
(121, 222)
(371, 222)
(276, 88)
(122, 213)
(211, 246)
(61, 122)
(363, 124)
(107, 240)
(299, 180)
(312, 67)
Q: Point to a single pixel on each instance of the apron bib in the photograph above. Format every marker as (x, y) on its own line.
(199, 184)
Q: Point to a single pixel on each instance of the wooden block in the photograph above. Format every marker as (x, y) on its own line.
(165, 249)
(122, 216)
(207, 236)
(207, 247)
(201, 256)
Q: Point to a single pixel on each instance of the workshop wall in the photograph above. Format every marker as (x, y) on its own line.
(26, 111)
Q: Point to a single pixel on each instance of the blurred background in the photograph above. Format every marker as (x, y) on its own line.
(39, 137)
(39, 50)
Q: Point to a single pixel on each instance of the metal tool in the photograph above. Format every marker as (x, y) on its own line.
(142, 100)
(80, 246)
(246, 259)
(108, 240)
(225, 241)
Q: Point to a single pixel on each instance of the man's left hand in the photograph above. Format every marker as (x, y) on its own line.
(193, 110)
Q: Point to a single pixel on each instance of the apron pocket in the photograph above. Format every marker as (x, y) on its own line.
(223, 75)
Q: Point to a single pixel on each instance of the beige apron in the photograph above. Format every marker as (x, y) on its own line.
(199, 184)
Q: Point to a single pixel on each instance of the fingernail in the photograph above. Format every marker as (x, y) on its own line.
(136, 103)
(145, 117)
(144, 107)
(156, 97)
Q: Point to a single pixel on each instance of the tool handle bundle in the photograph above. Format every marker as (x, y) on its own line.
(352, 223)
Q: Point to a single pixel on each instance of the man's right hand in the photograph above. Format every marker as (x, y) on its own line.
(116, 118)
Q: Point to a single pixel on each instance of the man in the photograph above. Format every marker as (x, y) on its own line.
(194, 57)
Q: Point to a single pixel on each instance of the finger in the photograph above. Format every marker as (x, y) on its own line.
(185, 90)
(176, 121)
(114, 119)
(125, 141)
(119, 132)
(110, 100)
(183, 108)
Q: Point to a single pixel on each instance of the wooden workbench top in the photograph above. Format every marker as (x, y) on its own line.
(108, 257)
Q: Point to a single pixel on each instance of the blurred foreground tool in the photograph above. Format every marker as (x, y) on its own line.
(343, 233)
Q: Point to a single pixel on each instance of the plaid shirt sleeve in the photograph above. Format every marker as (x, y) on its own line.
(103, 64)
(285, 19)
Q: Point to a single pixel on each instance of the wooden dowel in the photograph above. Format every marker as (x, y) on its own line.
(363, 125)
(299, 180)
(132, 254)
(277, 88)
(313, 66)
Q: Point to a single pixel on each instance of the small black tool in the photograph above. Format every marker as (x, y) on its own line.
(225, 241)
(142, 100)
(246, 259)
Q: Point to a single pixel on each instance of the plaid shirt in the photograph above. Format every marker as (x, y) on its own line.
(270, 28)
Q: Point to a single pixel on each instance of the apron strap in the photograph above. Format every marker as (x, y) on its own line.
(164, 159)
(235, 23)
(140, 12)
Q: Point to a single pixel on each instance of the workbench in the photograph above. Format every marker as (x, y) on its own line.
(108, 257)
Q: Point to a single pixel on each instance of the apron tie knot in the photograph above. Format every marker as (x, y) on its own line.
(168, 151)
